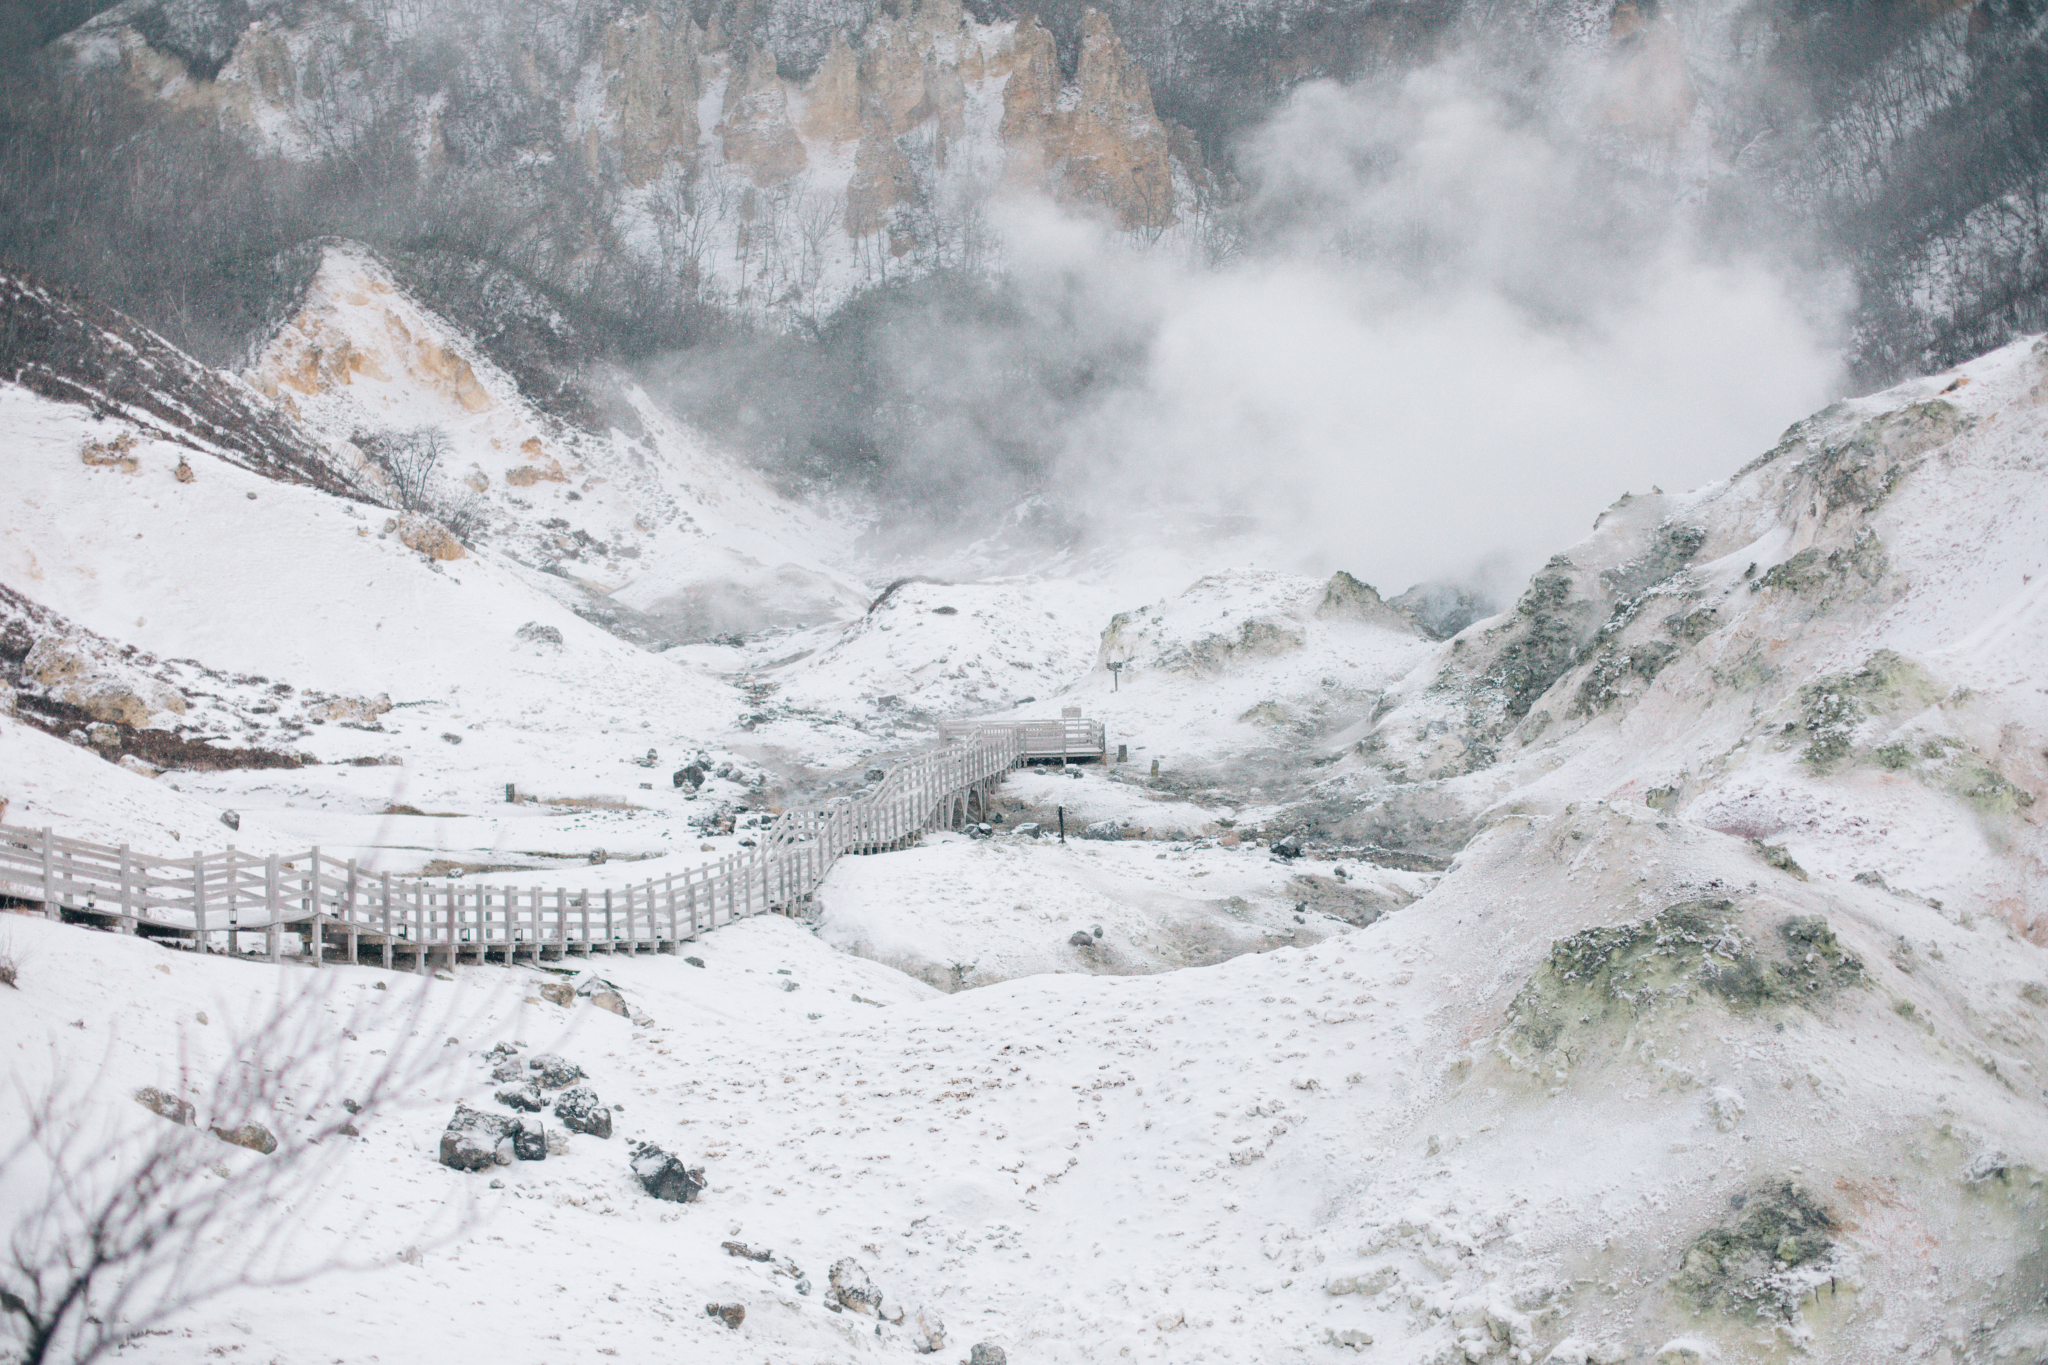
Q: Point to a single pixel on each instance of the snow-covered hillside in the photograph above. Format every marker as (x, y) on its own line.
(1651, 971)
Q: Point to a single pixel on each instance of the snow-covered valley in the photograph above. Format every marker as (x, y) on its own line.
(1651, 970)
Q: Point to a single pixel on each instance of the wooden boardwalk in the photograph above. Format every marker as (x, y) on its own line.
(335, 910)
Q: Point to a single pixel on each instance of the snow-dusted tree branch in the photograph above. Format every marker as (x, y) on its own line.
(120, 1215)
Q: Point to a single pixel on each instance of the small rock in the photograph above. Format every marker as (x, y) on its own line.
(987, 1353)
(254, 1136)
(526, 1097)
(691, 777)
(927, 1332)
(475, 1141)
(183, 473)
(167, 1106)
(580, 1112)
(534, 633)
(553, 1071)
(741, 1249)
(852, 1289)
(231, 819)
(1229, 840)
(1028, 830)
(558, 992)
(694, 961)
(1081, 938)
(1103, 829)
(510, 1069)
(530, 1141)
(1290, 847)
(788, 1267)
(664, 1176)
(731, 1314)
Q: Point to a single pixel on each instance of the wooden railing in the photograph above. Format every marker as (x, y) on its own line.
(217, 900)
(1069, 738)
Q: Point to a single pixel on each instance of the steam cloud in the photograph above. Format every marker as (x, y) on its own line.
(1458, 327)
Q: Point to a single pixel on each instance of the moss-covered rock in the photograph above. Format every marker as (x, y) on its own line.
(1689, 953)
(1765, 1259)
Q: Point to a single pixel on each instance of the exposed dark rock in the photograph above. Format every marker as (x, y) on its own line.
(166, 1105)
(526, 1097)
(254, 1136)
(553, 1071)
(731, 1314)
(851, 1288)
(580, 1112)
(665, 1176)
(1080, 938)
(987, 1353)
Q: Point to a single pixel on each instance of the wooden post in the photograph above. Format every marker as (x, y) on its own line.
(385, 919)
(273, 901)
(419, 928)
(199, 903)
(127, 893)
(314, 938)
(349, 911)
(51, 910)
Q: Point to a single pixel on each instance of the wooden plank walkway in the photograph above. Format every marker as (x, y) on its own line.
(216, 901)
(1070, 739)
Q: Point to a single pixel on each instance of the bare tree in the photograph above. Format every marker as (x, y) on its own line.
(141, 1215)
(407, 460)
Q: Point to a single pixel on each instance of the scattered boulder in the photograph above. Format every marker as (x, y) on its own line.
(927, 1332)
(691, 777)
(731, 1314)
(417, 531)
(665, 1176)
(558, 992)
(1028, 830)
(1103, 829)
(603, 994)
(788, 1267)
(254, 1136)
(694, 961)
(475, 1140)
(745, 1252)
(526, 1097)
(510, 1069)
(1290, 847)
(851, 1288)
(987, 1353)
(183, 473)
(553, 1071)
(231, 819)
(580, 1112)
(167, 1106)
(1081, 938)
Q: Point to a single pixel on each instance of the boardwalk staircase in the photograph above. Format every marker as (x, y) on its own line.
(218, 902)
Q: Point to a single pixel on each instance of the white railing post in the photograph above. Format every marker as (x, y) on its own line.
(51, 910)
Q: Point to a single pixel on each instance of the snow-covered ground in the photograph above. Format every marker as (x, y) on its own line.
(1720, 1037)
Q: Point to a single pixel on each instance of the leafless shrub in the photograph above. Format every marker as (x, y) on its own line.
(140, 1212)
(10, 967)
(407, 460)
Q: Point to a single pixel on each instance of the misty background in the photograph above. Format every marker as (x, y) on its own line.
(1454, 277)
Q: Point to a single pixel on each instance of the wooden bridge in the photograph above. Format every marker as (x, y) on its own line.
(1069, 739)
(215, 901)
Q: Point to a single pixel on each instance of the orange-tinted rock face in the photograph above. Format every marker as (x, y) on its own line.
(758, 136)
(651, 94)
(1647, 88)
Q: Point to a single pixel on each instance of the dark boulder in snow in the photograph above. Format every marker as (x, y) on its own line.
(526, 1097)
(580, 1112)
(691, 777)
(475, 1140)
(851, 1288)
(731, 1314)
(166, 1105)
(1290, 847)
(553, 1071)
(1103, 829)
(1029, 829)
(665, 1176)
(1081, 938)
(987, 1353)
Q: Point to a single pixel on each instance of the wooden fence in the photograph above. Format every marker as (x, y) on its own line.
(216, 901)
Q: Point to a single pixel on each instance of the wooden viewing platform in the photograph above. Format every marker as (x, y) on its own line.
(213, 901)
(1069, 739)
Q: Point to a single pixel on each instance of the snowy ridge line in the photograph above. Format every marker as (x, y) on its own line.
(331, 904)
